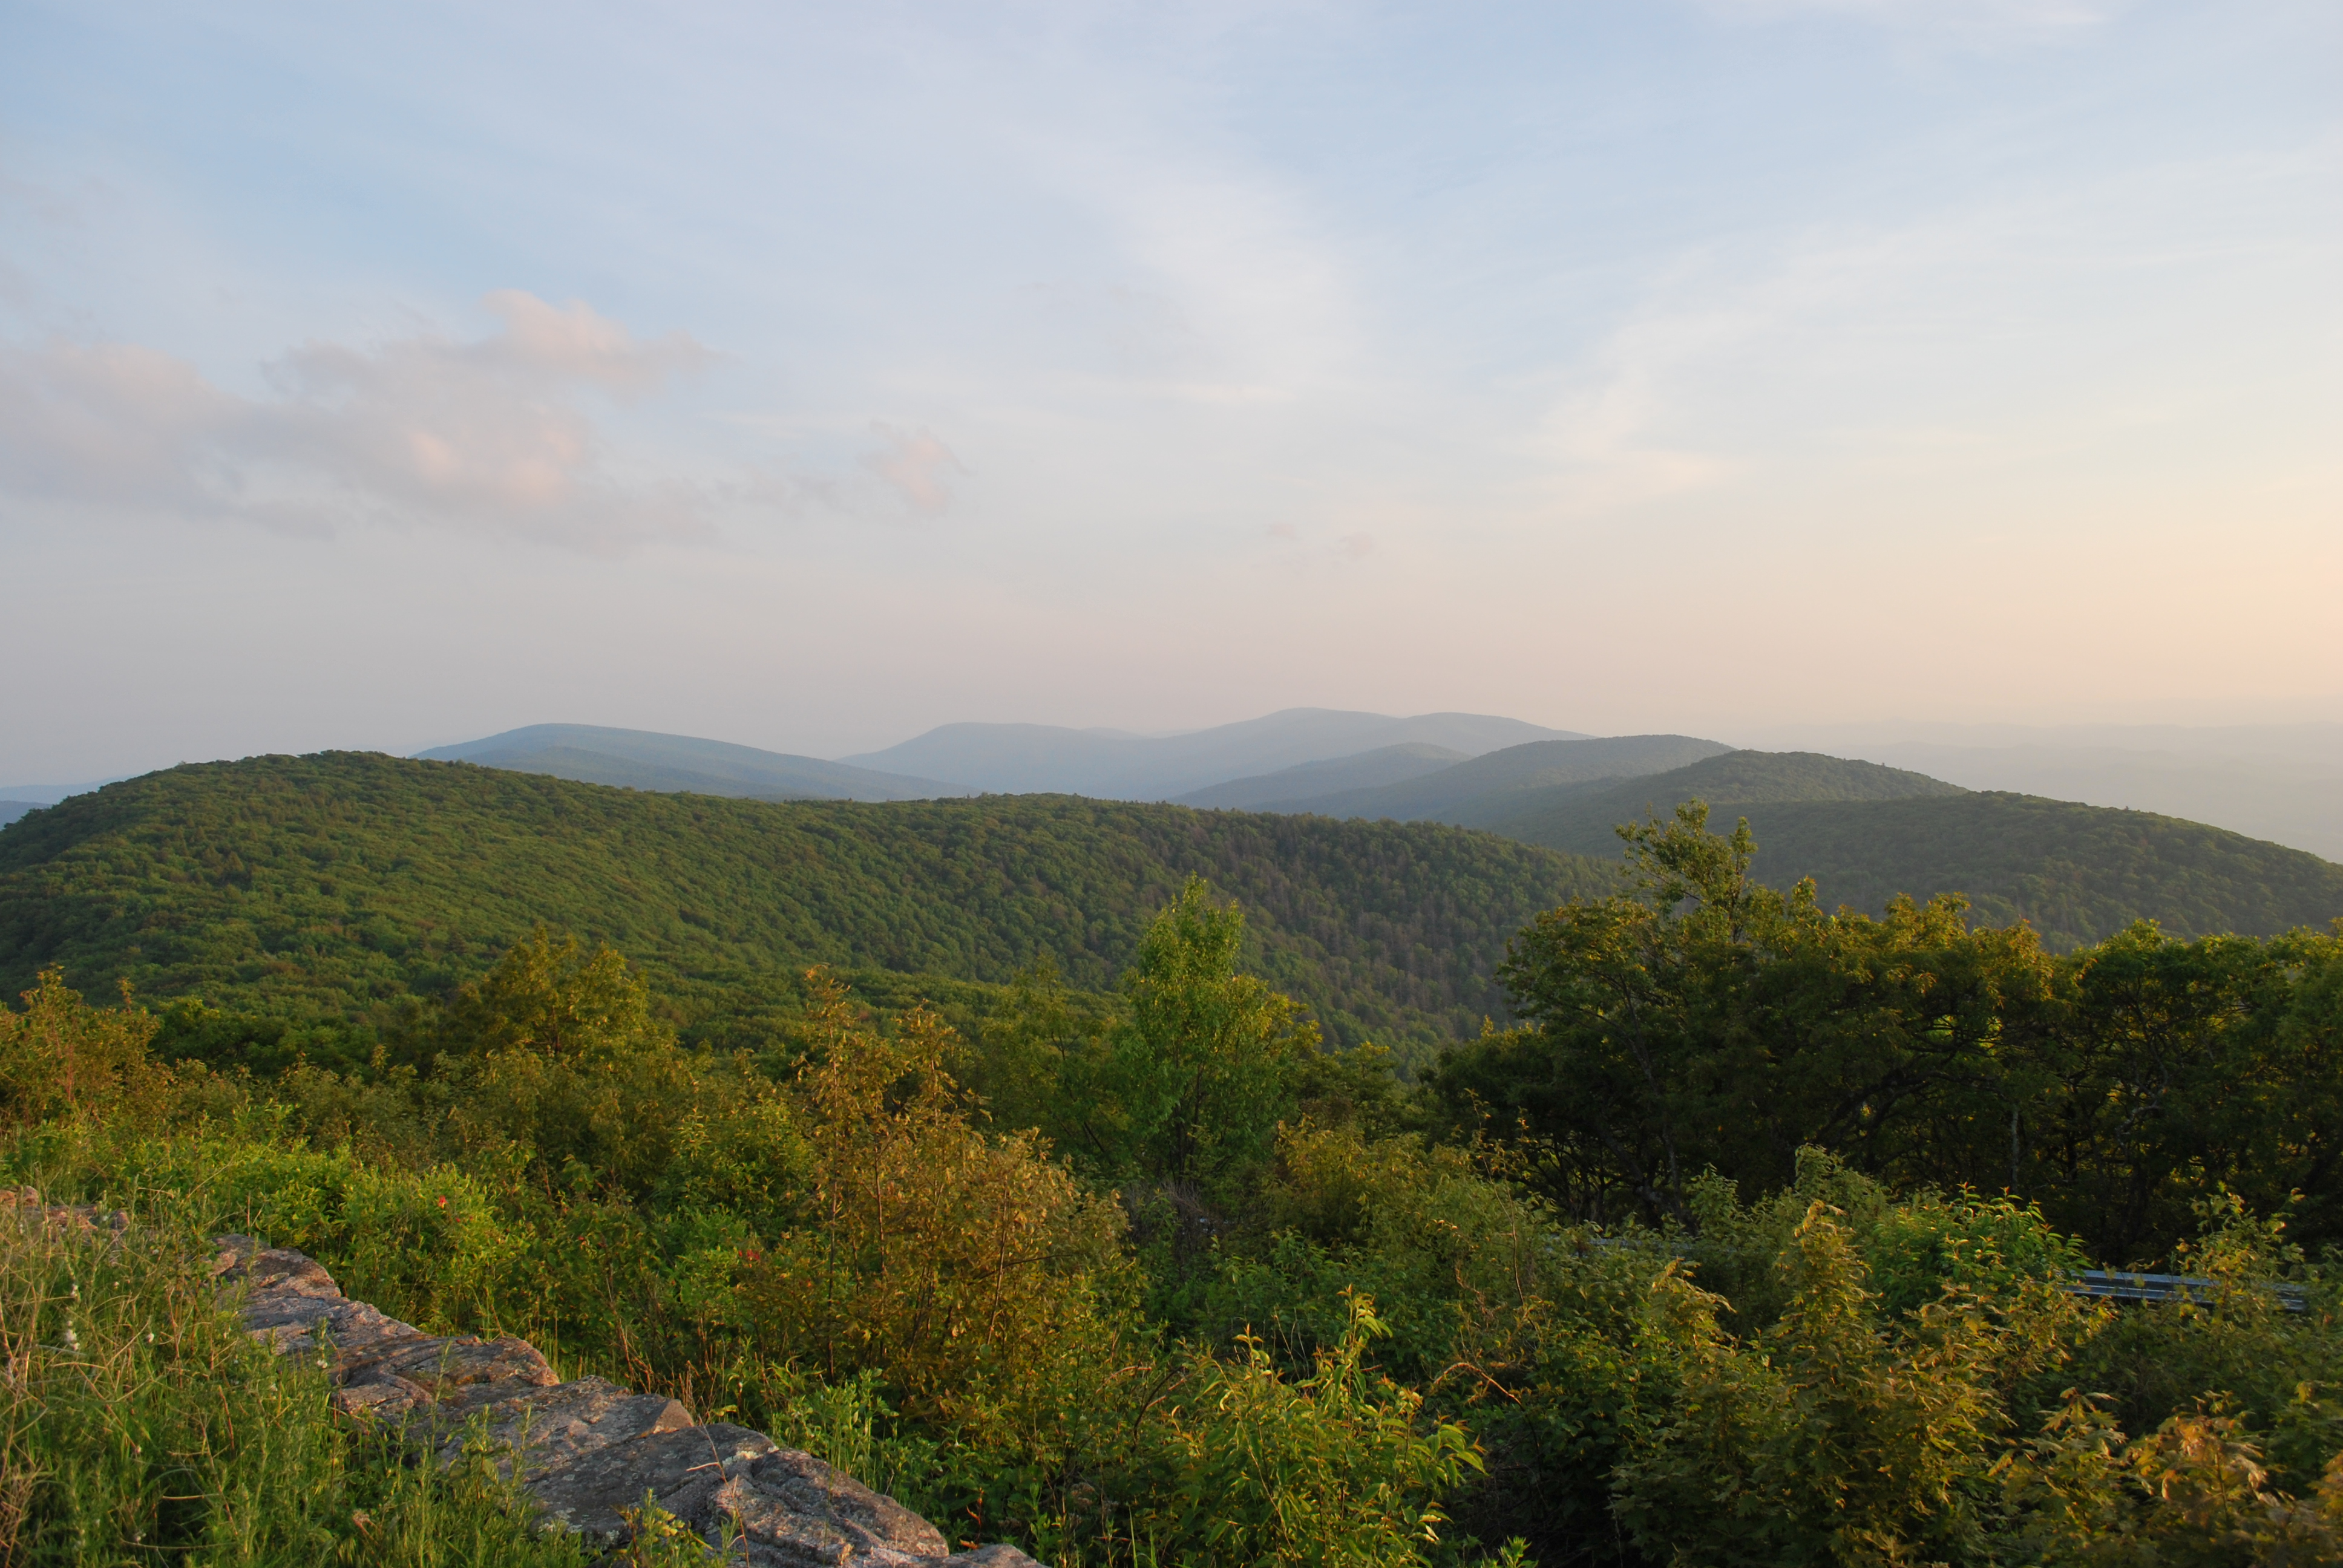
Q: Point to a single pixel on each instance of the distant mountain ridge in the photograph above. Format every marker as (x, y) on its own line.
(669, 764)
(1588, 813)
(1478, 791)
(1867, 832)
(1366, 771)
(1029, 759)
(2278, 782)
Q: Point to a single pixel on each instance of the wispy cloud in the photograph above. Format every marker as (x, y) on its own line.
(916, 466)
(887, 474)
(485, 435)
(1972, 21)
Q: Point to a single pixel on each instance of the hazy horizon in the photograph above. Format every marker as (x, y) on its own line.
(809, 378)
(2282, 783)
(2312, 743)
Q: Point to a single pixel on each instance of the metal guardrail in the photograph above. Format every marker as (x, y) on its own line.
(2122, 1285)
(2109, 1284)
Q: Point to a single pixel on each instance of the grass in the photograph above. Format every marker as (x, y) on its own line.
(139, 1424)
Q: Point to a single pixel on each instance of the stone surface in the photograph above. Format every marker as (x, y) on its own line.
(678, 1470)
(796, 1511)
(585, 1450)
(550, 1429)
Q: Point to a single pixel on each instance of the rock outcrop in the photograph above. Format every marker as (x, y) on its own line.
(584, 1450)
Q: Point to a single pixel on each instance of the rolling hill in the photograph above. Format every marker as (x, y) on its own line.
(2282, 782)
(1106, 764)
(1487, 788)
(1865, 832)
(1587, 812)
(328, 888)
(1366, 771)
(643, 760)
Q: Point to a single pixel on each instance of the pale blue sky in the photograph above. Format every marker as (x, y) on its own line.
(807, 376)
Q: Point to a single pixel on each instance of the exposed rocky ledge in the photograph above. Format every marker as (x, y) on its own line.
(582, 1449)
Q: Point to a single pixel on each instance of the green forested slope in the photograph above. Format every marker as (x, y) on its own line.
(1586, 811)
(2077, 873)
(1477, 792)
(331, 886)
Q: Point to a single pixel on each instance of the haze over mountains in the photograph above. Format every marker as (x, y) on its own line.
(1025, 758)
(642, 759)
(1867, 831)
(1484, 789)
(2279, 782)
(1526, 781)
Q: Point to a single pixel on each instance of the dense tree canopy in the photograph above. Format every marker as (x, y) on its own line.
(1708, 1021)
(320, 893)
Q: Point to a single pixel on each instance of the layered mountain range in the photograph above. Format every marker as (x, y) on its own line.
(1368, 848)
(1864, 830)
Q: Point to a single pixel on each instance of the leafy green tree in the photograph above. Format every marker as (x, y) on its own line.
(2169, 1067)
(1831, 1436)
(555, 1062)
(1203, 1059)
(1710, 1021)
(1620, 997)
(969, 1268)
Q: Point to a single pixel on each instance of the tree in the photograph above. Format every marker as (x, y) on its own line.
(557, 1059)
(971, 1269)
(1707, 1021)
(61, 1057)
(1203, 1062)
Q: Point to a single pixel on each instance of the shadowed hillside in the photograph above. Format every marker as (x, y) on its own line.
(1488, 787)
(1367, 770)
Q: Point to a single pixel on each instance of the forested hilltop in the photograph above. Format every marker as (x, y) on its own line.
(322, 891)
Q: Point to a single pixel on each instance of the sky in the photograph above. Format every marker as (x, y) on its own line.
(807, 376)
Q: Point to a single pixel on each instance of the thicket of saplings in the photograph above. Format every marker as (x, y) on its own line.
(1749, 1245)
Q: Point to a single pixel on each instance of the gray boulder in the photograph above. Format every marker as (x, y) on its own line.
(588, 1452)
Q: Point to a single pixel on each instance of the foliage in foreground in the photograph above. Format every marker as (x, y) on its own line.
(1175, 1284)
